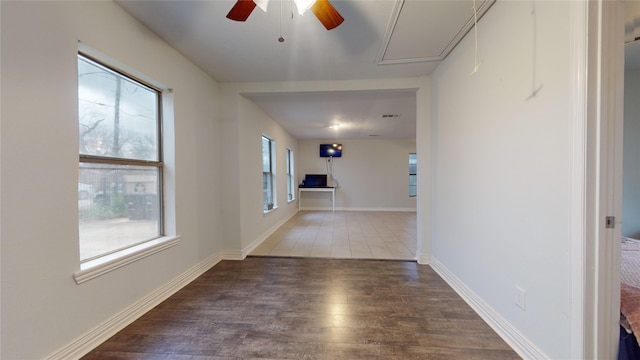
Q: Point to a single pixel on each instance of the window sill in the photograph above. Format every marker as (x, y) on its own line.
(94, 268)
(270, 211)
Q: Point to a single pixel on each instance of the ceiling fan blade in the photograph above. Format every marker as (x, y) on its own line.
(241, 10)
(327, 14)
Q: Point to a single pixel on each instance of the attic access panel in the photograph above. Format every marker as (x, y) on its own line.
(439, 26)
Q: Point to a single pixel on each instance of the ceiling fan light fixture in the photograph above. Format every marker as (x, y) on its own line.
(303, 5)
(322, 9)
(262, 4)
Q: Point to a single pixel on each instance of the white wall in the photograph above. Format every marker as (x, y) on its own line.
(631, 172)
(245, 123)
(502, 160)
(500, 165)
(372, 174)
(42, 307)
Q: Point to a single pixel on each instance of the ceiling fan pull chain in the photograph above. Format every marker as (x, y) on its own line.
(281, 38)
(476, 65)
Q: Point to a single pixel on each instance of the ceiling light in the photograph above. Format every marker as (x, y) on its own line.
(262, 4)
(303, 5)
(334, 126)
(325, 12)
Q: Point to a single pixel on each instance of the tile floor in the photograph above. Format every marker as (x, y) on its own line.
(344, 234)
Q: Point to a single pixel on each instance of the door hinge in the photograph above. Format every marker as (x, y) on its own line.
(610, 222)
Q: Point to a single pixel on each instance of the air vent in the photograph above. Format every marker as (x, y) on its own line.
(390, 116)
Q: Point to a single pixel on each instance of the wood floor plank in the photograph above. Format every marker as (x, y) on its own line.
(310, 308)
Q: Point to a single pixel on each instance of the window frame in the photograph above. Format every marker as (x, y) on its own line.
(100, 264)
(291, 189)
(270, 174)
(413, 189)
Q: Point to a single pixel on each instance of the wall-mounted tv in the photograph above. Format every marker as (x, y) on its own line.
(330, 150)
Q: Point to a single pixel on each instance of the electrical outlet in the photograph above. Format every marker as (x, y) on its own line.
(521, 298)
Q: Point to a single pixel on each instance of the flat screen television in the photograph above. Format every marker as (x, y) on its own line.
(330, 150)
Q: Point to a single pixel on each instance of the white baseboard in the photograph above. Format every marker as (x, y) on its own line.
(423, 259)
(96, 336)
(255, 243)
(357, 209)
(316, 208)
(520, 344)
(231, 255)
(375, 209)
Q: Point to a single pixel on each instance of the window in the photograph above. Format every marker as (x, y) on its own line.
(291, 188)
(120, 161)
(413, 165)
(268, 173)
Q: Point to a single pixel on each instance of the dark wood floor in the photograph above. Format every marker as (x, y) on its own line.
(294, 308)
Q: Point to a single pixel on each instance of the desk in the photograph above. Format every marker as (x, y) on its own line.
(332, 190)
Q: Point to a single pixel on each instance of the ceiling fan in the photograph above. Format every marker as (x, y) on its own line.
(323, 10)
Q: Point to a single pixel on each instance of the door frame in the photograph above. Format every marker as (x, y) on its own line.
(595, 289)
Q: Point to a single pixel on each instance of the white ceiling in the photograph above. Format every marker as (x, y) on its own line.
(378, 39)
(360, 114)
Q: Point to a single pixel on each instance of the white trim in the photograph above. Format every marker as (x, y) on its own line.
(523, 346)
(423, 259)
(391, 24)
(604, 92)
(94, 337)
(321, 208)
(614, 53)
(482, 8)
(577, 216)
(318, 208)
(255, 243)
(94, 268)
(267, 212)
(376, 209)
(231, 255)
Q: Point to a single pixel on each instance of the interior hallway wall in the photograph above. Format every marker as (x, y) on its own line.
(42, 308)
(502, 160)
(246, 224)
